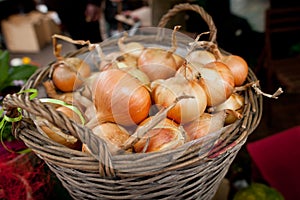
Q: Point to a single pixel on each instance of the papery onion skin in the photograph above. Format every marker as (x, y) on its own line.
(201, 57)
(157, 63)
(164, 136)
(235, 102)
(138, 74)
(69, 75)
(107, 61)
(207, 123)
(217, 81)
(126, 60)
(179, 60)
(113, 134)
(69, 113)
(70, 142)
(121, 98)
(238, 67)
(133, 48)
(165, 92)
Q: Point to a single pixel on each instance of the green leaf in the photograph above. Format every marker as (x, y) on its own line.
(22, 72)
(4, 66)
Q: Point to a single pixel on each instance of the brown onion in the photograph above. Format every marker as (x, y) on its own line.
(165, 93)
(235, 63)
(121, 98)
(157, 63)
(132, 48)
(235, 103)
(113, 134)
(179, 60)
(238, 67)
(215, 78)
(217, 81)
(204, 125)
(166, 135)
(201, 57)
(57, 134)
(70, 73)
(138, 74)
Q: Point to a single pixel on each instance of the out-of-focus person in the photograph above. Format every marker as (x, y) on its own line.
(79, 18)
(120, 7)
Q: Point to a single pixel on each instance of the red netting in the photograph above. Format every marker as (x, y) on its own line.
(23, 176)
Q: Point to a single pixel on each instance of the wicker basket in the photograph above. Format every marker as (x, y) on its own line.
(193, 171)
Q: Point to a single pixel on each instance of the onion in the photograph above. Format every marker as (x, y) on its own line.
(204, 125)
(56, 134)
(121, 98)
(215, 78)
(217, 81)
(52, 93)
(125, 60)
(113, 134)
(179, 60)
(132, 48)
(165, 93)
(69, 74)
(234, 103)
(138, 74)
(75, 98)
(238, 67)
(166, 135)
(201, 57)
(107, 60)
(235, 63)
(157, 63)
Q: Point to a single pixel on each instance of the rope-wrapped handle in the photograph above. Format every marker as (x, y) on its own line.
(97, 147)
(191, 7)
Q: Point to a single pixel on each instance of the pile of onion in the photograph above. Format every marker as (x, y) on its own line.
(136, 84)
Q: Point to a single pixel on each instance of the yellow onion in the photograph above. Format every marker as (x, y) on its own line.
(217, 81)
(238, 67)
(138, 74)
(207, 123)
(125, 60)
(215, 78)
(157, 63)
(69, 73)
(235, 103)
(132, 48)
(166, 135)
(118, 61)
(179, 60)
(121, 98)
(202, 57)
(107, 60)
(160, 63)
(57, 134)
(165, 93)
(113, 134)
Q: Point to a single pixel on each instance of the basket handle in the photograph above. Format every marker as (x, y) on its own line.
(186, 7)
(97, 147)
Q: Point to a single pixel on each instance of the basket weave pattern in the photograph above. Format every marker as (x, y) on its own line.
(193, 171)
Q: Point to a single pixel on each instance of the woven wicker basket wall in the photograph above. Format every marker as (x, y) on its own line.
(193, 171)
